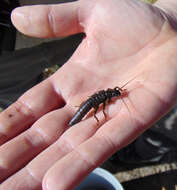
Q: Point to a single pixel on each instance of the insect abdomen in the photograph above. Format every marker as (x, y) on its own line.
(93, 102)
(83, 110)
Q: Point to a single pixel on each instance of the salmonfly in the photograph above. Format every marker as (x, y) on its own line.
(101, 97)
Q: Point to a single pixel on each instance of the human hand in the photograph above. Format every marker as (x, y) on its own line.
(124, 40)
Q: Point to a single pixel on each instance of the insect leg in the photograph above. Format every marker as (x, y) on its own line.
(96, 108)
(104, 105)
(109, 100)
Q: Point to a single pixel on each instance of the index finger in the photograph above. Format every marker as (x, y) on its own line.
(27, 109)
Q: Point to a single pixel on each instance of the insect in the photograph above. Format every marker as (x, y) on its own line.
(94, 101)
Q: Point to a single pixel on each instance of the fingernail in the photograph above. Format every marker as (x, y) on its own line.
(19, 18)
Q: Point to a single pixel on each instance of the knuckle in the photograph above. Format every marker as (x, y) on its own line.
(35, 178)
(17, 113)
(66, 144)
(19, 107)
(51, 21)
(86, 160)
(43, 136)
(106, 141)
(35, 138)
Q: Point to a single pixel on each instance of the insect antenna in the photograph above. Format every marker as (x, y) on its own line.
(128, 81)
(130, 113)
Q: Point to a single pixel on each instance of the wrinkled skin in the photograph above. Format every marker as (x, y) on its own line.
(126, 42)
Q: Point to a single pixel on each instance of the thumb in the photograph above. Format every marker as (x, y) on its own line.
(46, 21)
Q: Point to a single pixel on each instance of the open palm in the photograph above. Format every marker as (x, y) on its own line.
(127, 42)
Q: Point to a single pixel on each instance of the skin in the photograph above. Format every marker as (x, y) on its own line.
(126, 41)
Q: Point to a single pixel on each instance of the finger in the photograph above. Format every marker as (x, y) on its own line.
(32, 105)
(34, 172)
(30, 143)
(81, 161)
(50, 20)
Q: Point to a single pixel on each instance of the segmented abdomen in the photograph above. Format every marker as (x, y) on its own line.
(82, 111)
(93, 102)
